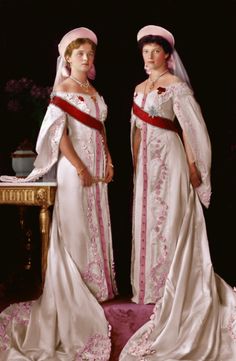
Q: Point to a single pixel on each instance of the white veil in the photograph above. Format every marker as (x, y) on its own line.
(176, 66)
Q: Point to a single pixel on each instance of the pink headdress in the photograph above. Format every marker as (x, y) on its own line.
(174, 62)
(78, 33)
(74, 34)
(157, 31)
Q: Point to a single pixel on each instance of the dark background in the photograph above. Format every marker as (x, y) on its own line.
(205, 39)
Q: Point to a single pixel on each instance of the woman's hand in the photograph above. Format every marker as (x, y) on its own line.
(109, 173)
(86, 178)
(195, 176)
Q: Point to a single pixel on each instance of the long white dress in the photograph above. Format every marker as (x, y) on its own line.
(194, 317)
(67, 322)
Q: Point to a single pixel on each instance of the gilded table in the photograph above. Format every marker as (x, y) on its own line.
(41, 194)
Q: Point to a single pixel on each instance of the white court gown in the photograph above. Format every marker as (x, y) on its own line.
(67, 322)
(194, 317)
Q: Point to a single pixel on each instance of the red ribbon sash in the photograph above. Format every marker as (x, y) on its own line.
(77, 114)
(156, 121)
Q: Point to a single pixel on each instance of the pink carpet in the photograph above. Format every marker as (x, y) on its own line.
(125, 318)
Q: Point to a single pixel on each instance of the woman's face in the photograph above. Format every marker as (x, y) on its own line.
(82, 58)
(154, 56)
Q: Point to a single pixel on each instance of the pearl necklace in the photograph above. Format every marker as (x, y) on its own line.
(153, 82)
(84, 85)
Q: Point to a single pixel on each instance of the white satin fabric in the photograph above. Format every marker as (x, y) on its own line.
(194, 317)
(67, 322)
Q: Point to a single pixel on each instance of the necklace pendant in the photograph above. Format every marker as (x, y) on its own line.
(84, 85)
(152, 85)
(153, 82)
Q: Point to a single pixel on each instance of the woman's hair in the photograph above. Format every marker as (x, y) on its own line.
(75, 44)
(158, 40)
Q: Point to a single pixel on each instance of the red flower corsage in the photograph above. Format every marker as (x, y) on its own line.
(161, 90)
(81, 98)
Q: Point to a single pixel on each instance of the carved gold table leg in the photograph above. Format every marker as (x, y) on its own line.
(44, 222)
(32, 194)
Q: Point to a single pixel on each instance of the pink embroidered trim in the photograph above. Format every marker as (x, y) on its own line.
(144, 218)
(99, 210)
(100, 221)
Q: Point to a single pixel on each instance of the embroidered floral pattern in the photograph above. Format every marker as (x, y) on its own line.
(231, 326)
(94, 273)
(78, 101)
(142, 346)
(19, 313)
(98, 348)
(160, 266)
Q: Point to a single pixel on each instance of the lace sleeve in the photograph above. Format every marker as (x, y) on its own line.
(47, 146)
(191, 120)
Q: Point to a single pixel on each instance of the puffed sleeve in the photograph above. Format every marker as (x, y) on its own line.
(47, 146)
(191, 120)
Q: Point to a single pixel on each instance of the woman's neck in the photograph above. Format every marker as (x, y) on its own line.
(82, 83)
(157, 73)
(154, 78)
(80, 76)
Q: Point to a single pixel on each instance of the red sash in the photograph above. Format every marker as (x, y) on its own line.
(77, 114)
(156, 121)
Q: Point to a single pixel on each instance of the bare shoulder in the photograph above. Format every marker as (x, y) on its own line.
(140, 88)
(64, 86)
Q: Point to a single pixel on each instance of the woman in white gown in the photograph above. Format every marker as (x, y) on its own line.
(194, 317)
(67, 322)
